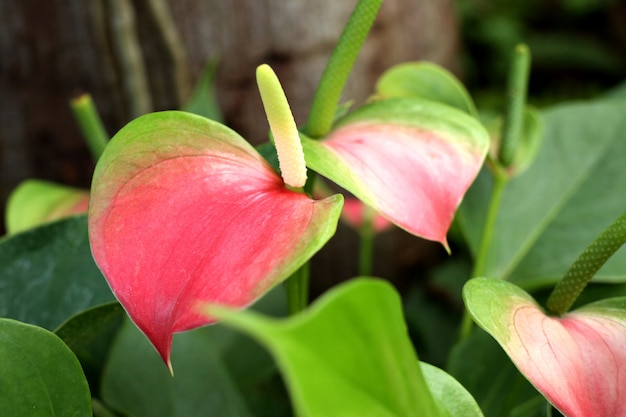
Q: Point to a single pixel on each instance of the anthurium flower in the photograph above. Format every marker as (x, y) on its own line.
(35, 202)
(577, 361)
(184, 211)
(409, 159)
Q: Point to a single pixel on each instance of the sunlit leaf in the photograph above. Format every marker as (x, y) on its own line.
(350, 355)
(47, 274)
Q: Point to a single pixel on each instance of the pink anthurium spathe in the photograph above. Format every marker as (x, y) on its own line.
(184, 211)
(411, 160)
(578, 361)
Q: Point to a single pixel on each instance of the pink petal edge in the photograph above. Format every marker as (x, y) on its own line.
(578, 362)
(415, 178)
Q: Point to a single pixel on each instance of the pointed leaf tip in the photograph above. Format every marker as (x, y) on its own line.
(184, 210)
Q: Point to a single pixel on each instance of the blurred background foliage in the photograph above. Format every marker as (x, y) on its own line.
(578, 46)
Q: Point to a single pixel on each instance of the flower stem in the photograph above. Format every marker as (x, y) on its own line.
(90, 124)
(479, 269)
(338, 68)
(366, 242)
(297, 287)
(500, 181)
(585, 267)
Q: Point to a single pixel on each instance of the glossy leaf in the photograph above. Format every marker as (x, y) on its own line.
(89, 335)
(354, 336)
(47, 274)
(577, 361)
(40, 375)
(184, 210)
(428, 81)
(572, 191)
(35, 202)
(411, 160)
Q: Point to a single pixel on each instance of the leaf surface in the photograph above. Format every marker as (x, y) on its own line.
(40, 375)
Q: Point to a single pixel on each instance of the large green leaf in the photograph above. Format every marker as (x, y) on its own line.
(350, 354)
(47, 274)
(572, 191)
(39, 376)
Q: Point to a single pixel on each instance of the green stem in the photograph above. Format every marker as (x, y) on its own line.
(479, 269)
(297, 286)
(585, 267)
(338, 68)
(90, 124)
(500, 181)
(516, 100)
(366, 242)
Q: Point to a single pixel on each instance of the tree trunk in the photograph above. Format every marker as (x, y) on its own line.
(136, 56)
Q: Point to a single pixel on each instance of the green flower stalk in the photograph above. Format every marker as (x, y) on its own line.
(585, 267)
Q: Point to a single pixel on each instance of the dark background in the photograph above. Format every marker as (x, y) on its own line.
(137, 56)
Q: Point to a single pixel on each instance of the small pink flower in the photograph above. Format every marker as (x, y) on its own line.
(355, 212)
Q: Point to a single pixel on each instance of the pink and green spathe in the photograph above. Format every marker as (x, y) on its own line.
(184, 211)
(411, 160)
(577, 361)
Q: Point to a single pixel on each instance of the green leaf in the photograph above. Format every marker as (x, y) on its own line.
(36, 202)
(449, 393)
(572, 191)
(349, 354)
(428, 81)
(89, 335)
(203, 100)
(136, 383)
(40, 375)
(219, 372)
(47, 274)
(483, 368)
